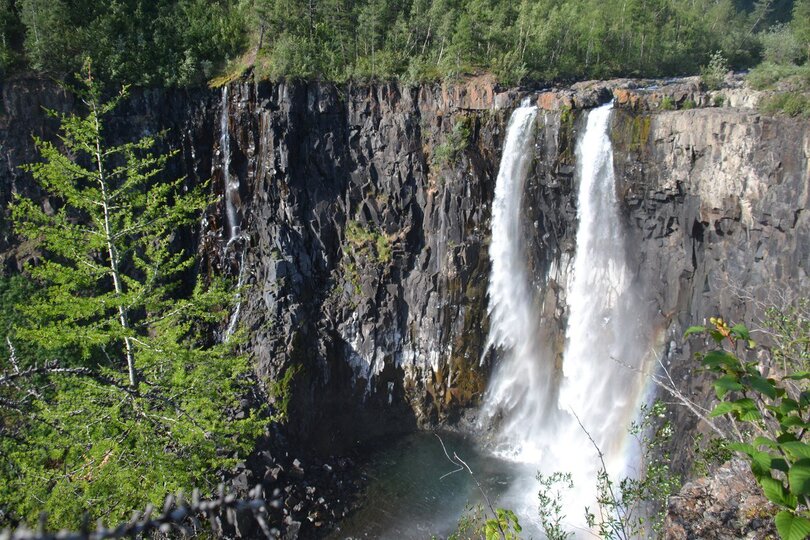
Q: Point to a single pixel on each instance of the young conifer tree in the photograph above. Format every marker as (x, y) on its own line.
(135, 403)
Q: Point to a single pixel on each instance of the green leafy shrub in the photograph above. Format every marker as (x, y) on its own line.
(455, 143)
(788, 103)
(714, 73)
(789, 327)
(636, 507)
(780, 45)
(504, 526)
(768, 75)
(549, 504)
(475, 523)
(775, 409)
(667, 104)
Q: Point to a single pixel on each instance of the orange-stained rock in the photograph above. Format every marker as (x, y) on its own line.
(625, 98)
(554, 101)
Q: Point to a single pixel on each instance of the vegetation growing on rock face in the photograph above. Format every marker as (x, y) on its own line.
(362, 244)
(182, 42)
(455, 142)
(367, 241)
(111, 396)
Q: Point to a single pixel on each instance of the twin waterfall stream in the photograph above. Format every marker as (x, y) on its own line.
(549, 404)
(546, 416)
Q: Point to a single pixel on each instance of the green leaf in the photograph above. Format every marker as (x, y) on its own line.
(749, 415)
(726, 384)
(791, 526)
(719, 359)
(723, 408)
(761, 385)
(761, 463)
(745, 448)
(797, 449)
(788, 405)
(765, 441)
(793, 421)
(786, 437)
(799, 375)
(775, 491)
(694, 330)
(739, 331)
(746, 409)
(799, 477)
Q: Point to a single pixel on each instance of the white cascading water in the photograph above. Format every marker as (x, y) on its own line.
(232, 227)
(519, 391)
(230, 185)
(537, 406)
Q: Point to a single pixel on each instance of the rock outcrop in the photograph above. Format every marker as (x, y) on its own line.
(728, 505)
(364, 224)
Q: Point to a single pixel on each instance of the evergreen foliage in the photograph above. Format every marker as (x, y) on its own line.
(133, 403)
(147, 42)
(183, 42)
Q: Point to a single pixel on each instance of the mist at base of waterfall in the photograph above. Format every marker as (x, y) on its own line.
(574, 417)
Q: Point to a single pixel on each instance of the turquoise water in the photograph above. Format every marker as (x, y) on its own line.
(407, 496)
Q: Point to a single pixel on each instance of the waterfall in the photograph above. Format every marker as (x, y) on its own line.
(537, 407)
(520, 389)
(233, 320)
(232, 227)
(230, 185)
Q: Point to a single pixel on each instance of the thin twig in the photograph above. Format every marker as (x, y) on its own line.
(12, 355)
(458, 462)
(608, 483)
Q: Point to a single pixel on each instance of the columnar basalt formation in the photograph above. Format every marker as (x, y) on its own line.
(365, 220)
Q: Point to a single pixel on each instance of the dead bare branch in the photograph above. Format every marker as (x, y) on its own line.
(458, 462)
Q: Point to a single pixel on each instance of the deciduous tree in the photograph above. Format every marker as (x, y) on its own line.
(135, 401)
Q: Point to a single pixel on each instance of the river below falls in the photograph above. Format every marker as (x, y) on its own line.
(408, 496)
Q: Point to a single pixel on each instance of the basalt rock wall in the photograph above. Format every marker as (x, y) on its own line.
(364, 225)
(716, 205)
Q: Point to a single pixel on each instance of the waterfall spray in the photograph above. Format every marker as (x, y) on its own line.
(543, 412)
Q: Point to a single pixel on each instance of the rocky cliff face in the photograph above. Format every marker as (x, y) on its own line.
(716, 201)
(364, 221)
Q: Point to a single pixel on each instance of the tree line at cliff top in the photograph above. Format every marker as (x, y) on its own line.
(189, 42)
